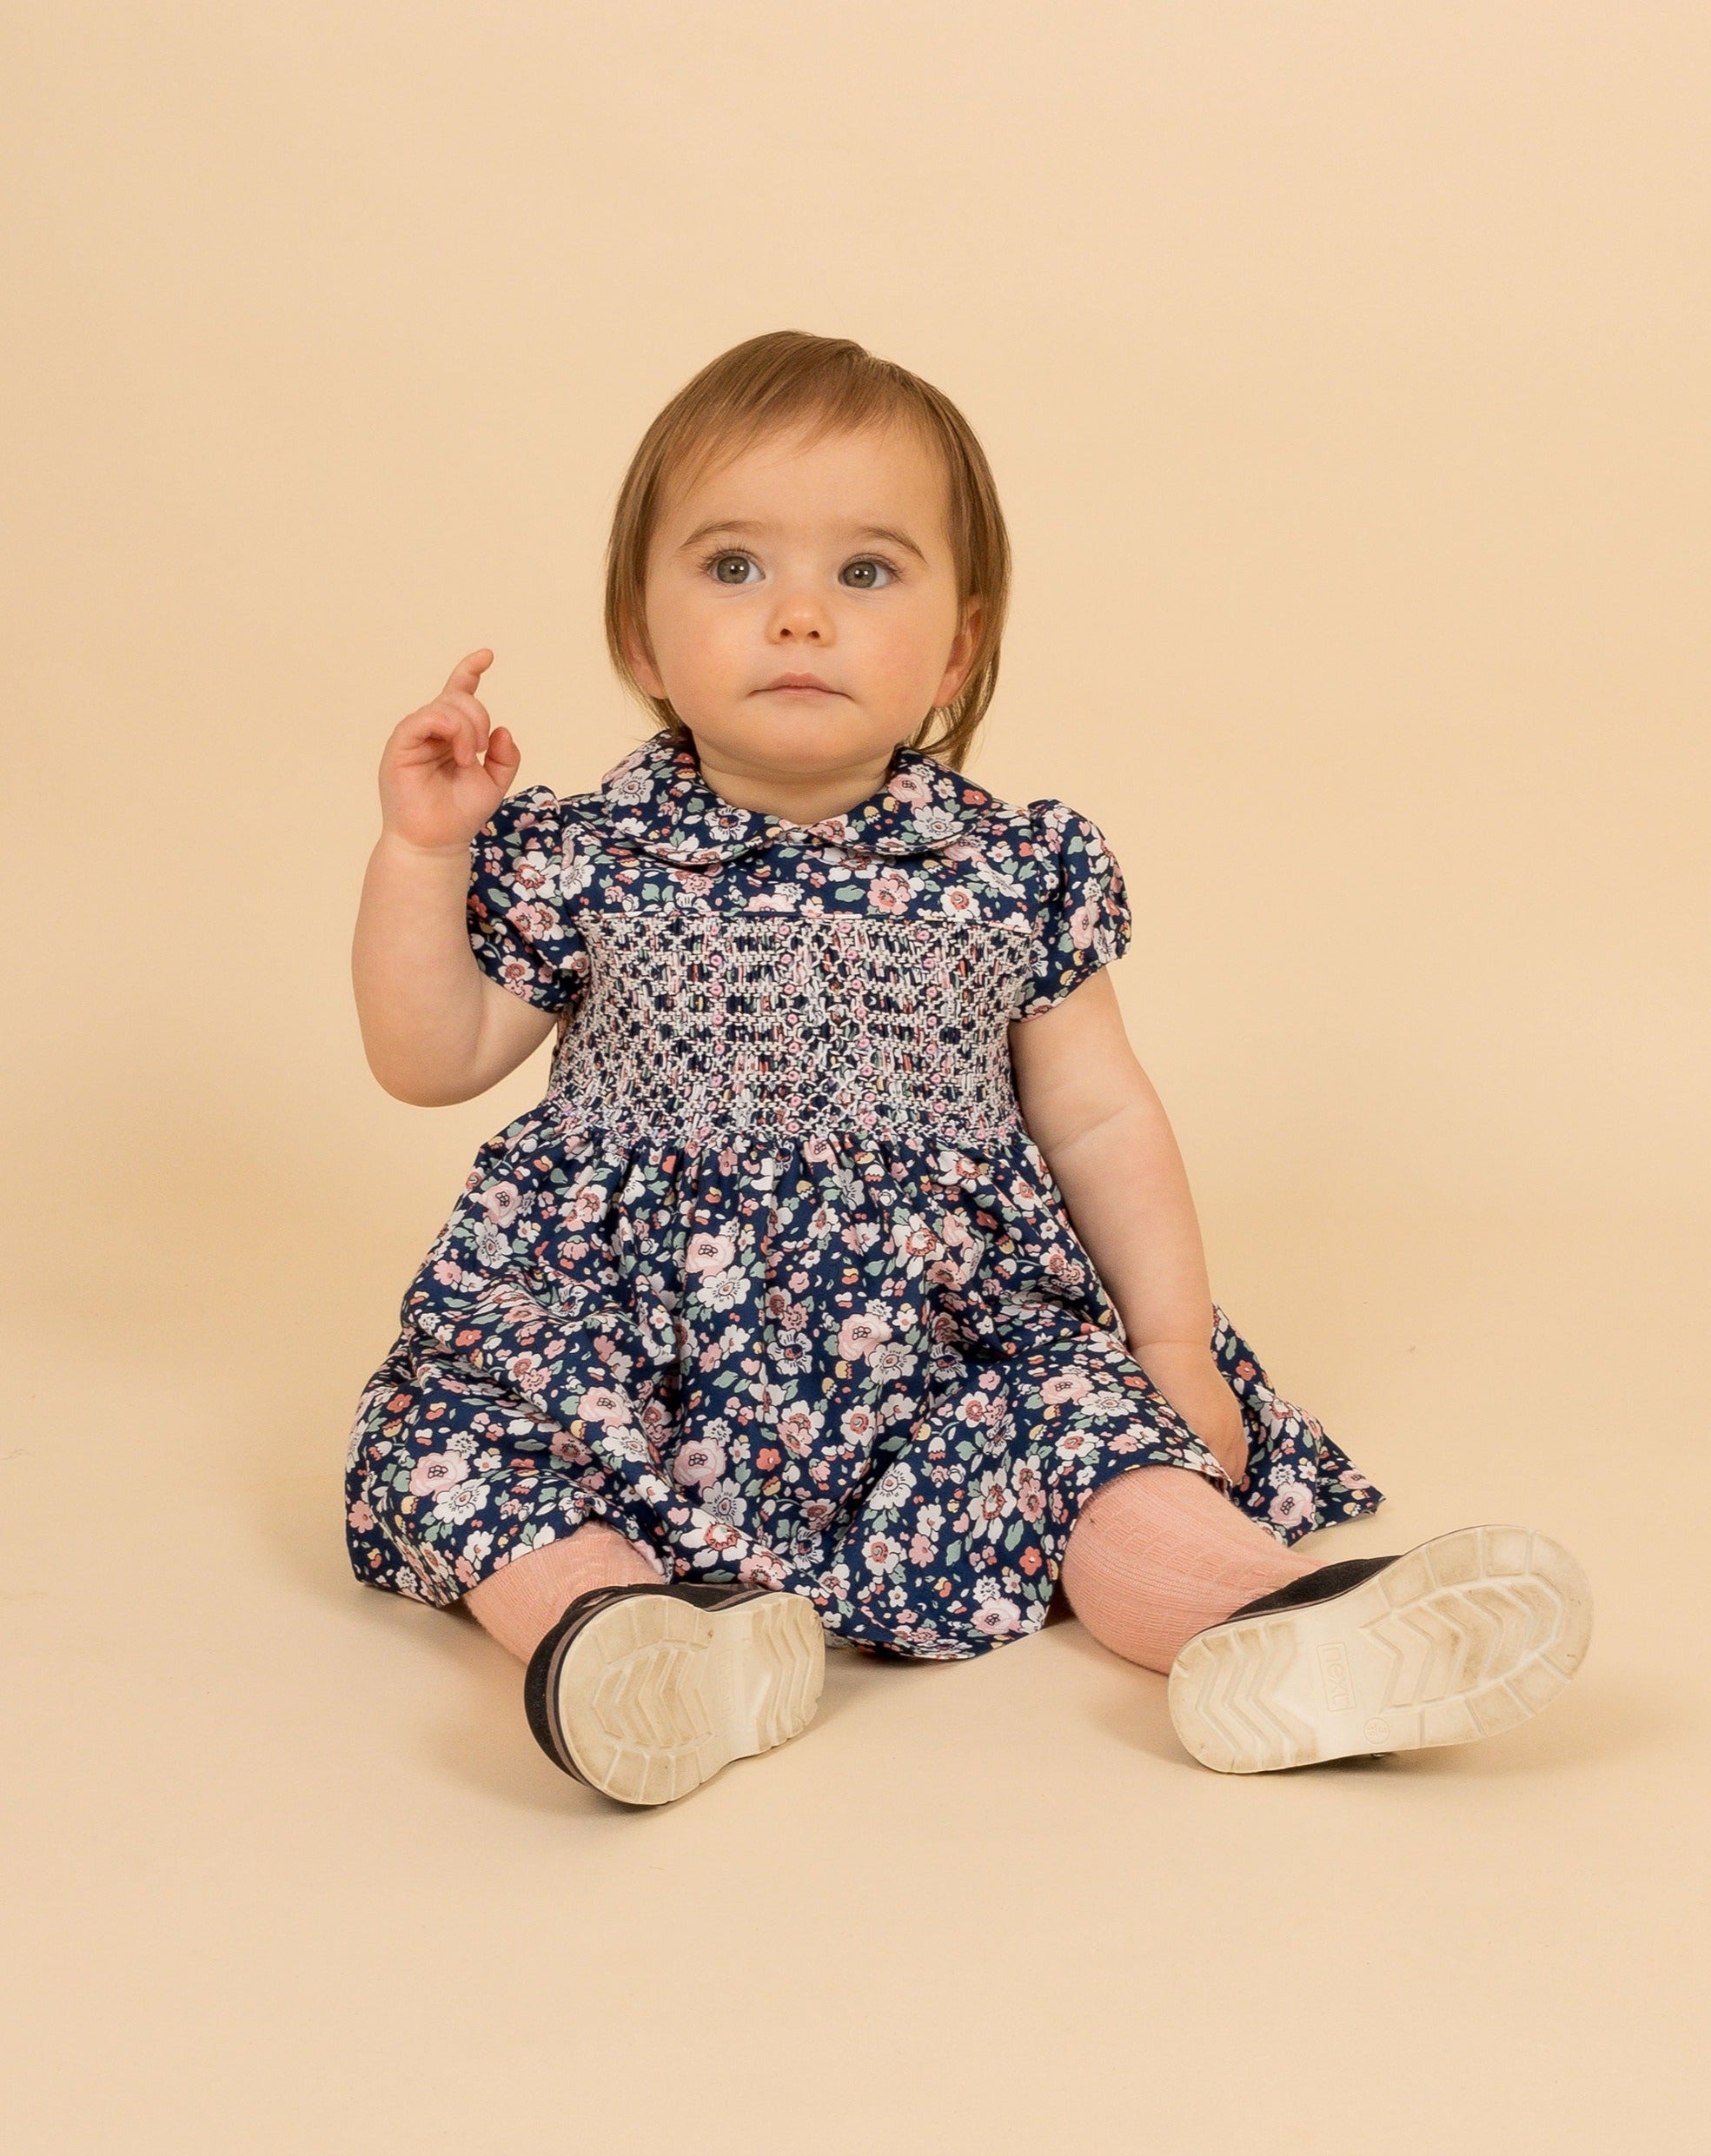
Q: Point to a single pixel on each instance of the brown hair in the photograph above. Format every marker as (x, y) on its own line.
(773, 382)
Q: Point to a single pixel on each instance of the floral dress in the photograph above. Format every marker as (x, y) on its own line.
(773, 1280)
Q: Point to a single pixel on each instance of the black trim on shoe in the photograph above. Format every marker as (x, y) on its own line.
(1315, 1587)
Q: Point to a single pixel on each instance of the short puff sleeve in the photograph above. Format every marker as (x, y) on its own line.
(1082, 921)
(515, 906)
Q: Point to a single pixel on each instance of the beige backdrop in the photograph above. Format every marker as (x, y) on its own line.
(1343, 368)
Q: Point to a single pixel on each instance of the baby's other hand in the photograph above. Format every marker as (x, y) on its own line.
(436, 791)
(1191, 1380)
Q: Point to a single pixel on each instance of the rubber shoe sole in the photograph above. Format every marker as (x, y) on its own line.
(652, 1695)
(1464, 1636)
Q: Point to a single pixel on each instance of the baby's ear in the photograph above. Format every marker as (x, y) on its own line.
(642, 665)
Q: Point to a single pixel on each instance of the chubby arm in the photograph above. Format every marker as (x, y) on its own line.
(435, 1028)
(1092, 1111)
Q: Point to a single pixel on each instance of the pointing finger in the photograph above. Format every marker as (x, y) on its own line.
(469, 670)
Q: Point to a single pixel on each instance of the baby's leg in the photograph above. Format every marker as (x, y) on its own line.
(1158, 1554)
(521, 1601)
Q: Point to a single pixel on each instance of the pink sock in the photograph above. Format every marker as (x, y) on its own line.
(1160, 1553)
(521, 1602)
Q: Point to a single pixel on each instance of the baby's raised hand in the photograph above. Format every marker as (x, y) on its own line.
(436, 789)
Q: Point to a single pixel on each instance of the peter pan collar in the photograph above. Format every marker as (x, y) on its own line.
(655, 799)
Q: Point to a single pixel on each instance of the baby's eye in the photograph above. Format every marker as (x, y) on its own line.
(718, 562)
(867, 565)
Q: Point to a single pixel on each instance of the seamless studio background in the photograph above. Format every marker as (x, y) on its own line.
(1344, 370)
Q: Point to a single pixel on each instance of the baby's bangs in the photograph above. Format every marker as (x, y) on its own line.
(714, 439)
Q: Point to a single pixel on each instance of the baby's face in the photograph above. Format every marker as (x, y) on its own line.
(832, 560)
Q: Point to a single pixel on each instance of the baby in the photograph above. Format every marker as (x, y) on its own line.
(846, 1282)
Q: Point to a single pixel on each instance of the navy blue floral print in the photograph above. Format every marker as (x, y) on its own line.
(774, 1279)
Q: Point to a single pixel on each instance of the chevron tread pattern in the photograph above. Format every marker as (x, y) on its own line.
(1466, 1635)
(655, 1695)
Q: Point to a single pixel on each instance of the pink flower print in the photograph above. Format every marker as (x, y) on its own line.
(921, 1550)
(502, 1203)
(537, 922)
(698, 1461)
(910, 788)
(1070, 1384)
(860, 1335)
(881, 1552)
(440, 1470)
(359, 1518)
(1084, 925)
(764, 1568)
(889, 892)
(600, 1404)
(1291, 1502)
(584, 1204)
(995, 1617)
(798, 1427)
(709, 1253)
(529, 1373)
(696, 881)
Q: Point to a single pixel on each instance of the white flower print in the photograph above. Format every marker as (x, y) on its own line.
(721, 1290)
(991, 1502)
(462, 1502)
(881, 1553)
(893, 1488)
